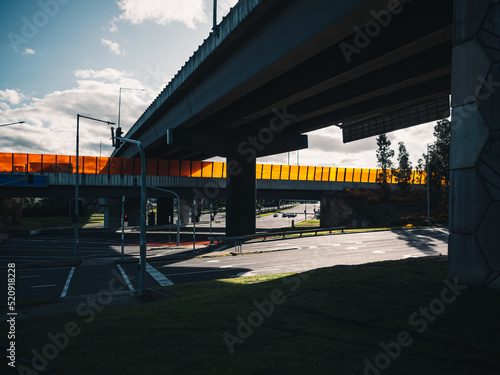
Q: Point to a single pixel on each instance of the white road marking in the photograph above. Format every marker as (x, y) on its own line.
(352, 248)
(336, 244)
(43, 286)
(313, 247)
(230, 266)
(245, 274)
(68, 280)
(195, 272)
(213, 261)
(125, 277)
(158, 276)
(379, 252)
(411, 256)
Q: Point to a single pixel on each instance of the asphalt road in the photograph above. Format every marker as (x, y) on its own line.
(269, 221)
(98, 273)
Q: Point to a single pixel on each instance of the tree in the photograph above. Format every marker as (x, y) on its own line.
(384, 162)
(404, 173)
(441, 154)
(437, 163)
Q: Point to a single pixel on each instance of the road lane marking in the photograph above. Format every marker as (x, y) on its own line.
(379, 252)
(66, 286)
(411, 256)
(199, 272)
(352, 248)
(43, 286)
(158, 276)
(246, 274)
(125, 277)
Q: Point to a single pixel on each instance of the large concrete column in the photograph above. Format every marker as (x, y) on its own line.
(112, 212)
(186, 208)
(474, 251)
(240, 196)
(134, 212)
(165, 211)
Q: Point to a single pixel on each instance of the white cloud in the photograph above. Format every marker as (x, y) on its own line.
(51, 120)
(11, 96)
(29, 51)
(163, 12)
(113, 28)
(108, 74)
(113, 47)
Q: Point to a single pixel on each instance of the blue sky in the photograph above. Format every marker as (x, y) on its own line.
(63, 57)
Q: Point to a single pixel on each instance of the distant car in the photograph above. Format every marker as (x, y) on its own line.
(275, 215)
(285, 215)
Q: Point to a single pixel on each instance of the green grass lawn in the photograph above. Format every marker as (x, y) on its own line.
(308, 223)
(328, 321)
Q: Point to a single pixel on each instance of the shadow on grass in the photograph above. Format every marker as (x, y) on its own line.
(344, 320)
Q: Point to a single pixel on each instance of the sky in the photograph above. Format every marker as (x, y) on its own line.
(60, 58)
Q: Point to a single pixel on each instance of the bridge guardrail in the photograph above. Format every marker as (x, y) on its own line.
(240, 240)
(40, 163)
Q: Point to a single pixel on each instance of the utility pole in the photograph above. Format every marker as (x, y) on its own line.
(142, 257)
(215, 14)
(428, 191)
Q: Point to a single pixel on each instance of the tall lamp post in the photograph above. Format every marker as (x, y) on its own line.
(118, 134)
(12, 123)
(77, 182)
(428, 191)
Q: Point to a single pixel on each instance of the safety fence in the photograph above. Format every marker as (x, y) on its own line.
(41, 163)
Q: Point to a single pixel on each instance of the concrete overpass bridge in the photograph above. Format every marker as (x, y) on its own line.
(274, 70)
(277, 69)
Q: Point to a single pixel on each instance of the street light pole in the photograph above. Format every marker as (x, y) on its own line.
(215, 14)
(12, 123)
(428, 191)
(142, 257)
(77, 182)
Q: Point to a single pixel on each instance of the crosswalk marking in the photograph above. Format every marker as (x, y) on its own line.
(158, 276)
(66, 286)
(125, 277)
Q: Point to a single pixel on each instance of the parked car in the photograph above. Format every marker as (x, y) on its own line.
(275, 215)
(285, 215)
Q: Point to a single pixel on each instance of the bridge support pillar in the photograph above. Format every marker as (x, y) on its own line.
(186, 208)
(240, 196)
(134, 211)
(474, 254)
(112, 212)
(165, 211)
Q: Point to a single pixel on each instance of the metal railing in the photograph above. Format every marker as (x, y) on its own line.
(40, 163)
(238, 241)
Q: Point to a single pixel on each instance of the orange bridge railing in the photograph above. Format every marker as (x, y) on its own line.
(41, 163)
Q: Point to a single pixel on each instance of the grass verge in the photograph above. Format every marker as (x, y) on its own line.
(328, 321)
